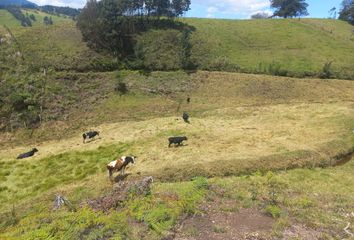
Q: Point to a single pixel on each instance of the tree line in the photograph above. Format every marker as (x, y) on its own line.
(112, 25)
(17, 13)
(347, 12)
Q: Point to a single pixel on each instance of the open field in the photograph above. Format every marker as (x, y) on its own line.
(249, 129)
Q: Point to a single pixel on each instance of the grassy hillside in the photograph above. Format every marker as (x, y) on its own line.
(251, 135)
(251, 122)
(7, 19)
(297, 46)
(275, 46)
(58, 47)
(301, 205)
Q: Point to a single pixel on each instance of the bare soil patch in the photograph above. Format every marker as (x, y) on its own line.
(301, 232)
(222, 220)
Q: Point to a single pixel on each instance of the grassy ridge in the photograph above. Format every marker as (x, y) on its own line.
(298, 46)
(274, 46)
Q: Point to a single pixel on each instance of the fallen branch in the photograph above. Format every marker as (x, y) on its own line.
(347, 231)
(60, 201)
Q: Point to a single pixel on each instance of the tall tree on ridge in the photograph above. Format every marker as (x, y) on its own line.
(289, 8)
(347, 11)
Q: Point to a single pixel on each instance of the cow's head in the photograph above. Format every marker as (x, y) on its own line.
(34, 150)
(134, 159)
(185, 138)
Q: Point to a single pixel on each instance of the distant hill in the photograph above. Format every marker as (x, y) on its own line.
(22, 3)
(72, 12)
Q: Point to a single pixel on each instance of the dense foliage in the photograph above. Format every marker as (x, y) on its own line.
(289, 8)
(16, 12)
(113, 25)
(48, 20)
(347, 11)
(260, 15)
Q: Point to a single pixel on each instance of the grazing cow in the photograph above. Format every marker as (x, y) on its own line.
(119, 165)
(185, 117)
(89, 135)
(27, 154)
(176, 140)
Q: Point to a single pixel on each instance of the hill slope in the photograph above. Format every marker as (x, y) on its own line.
(275, 46)
(298, 46)
(241, 124)
(22, 3)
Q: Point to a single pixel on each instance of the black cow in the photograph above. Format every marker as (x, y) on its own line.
(89, 135)
(185, 117)
(27, 154)
(176, 140)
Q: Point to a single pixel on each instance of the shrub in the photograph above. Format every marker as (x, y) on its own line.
(9, 218)
(121, 88)
(275, 69)
(273, 211)
(327, 70)
(274, 186)
(222, 64)
(200, 183)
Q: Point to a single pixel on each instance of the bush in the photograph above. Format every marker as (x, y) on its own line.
(200, 183)
(222, 64)
(327, 70)
(121, 88)
(273, 211)
(275, 69)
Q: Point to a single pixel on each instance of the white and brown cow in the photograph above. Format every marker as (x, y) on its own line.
(120, 164)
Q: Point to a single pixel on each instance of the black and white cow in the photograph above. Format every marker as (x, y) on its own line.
(27, 154)
(89, 135)
(120, 164)
(176, 140)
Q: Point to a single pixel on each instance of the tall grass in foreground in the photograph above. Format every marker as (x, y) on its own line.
(154, 215)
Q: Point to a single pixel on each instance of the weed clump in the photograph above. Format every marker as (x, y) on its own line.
(327, 71)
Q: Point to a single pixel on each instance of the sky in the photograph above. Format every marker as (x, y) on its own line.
(231, 9)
